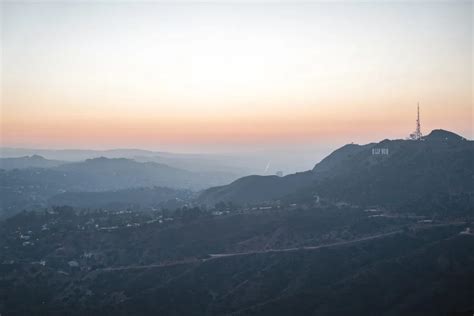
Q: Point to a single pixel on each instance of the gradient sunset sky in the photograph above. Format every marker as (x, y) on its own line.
(219, 77)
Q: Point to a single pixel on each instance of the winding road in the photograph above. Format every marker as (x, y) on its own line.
(235, 254)
(217, 256)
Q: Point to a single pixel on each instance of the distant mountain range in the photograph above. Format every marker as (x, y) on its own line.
(238, 162)
(75, 154)
(118, 173)
(112, 174)
(11, 158)
(31, 188)
(437, 171)
(34, 161)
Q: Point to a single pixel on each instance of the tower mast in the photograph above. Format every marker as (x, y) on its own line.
(418, 134)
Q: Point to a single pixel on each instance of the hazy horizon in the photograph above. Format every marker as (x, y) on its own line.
(256, 161)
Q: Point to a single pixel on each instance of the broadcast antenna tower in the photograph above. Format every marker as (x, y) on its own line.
(417, 134)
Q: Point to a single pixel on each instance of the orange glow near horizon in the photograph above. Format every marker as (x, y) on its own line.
(155, 75)
(239, 129)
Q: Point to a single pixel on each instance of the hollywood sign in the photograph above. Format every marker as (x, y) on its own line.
(379, 151)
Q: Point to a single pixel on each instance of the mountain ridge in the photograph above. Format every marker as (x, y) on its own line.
(388, 173)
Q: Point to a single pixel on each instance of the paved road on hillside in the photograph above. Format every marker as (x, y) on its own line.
(150, 266)
(331, 245)
(335, 244)
(217, 256)
(224, 255)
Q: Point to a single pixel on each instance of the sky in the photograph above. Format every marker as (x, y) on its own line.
(220, 77)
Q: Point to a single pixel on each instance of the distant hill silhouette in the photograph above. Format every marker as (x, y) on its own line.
(437, 171)
(32, 187)
(187, 161)
(119, 173)
(34, 161)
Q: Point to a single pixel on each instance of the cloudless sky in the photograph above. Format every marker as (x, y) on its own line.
(232, 76)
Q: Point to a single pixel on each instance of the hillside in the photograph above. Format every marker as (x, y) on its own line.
(256, 189)
(435, 172)
(320, 261)
(338, 157)
(138, 198)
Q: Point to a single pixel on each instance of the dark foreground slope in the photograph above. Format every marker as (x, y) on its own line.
(435, 172)
(314, 262)
(400, 275)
